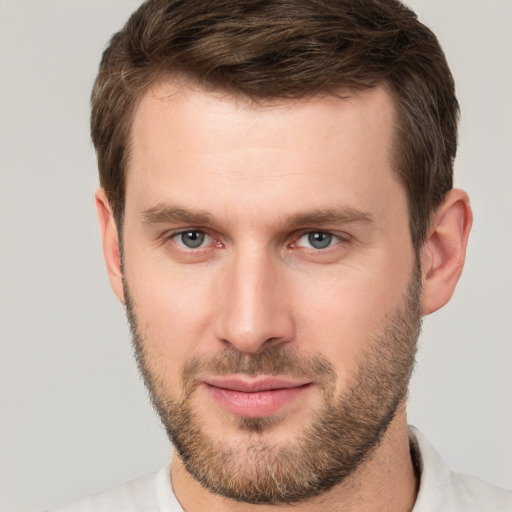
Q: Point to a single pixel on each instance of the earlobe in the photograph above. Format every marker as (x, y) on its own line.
(444, 251)
(110, 239)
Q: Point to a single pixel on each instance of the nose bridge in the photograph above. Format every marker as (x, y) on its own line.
(254, 310)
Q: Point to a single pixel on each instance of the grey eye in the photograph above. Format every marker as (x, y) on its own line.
(192, 239)
(319, 239)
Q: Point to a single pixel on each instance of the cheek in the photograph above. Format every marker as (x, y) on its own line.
(342, 319)
(173, 310)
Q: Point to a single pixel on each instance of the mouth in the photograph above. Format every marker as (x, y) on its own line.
(255, 397)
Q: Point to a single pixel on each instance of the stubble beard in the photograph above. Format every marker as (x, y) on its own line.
(343, 433)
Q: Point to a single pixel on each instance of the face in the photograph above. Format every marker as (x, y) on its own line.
(271, 284)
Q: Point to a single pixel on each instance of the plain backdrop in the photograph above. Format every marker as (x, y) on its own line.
(74, 415)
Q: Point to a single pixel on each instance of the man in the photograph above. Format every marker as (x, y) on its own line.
(277, 214)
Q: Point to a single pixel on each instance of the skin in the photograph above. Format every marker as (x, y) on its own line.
(262, 174)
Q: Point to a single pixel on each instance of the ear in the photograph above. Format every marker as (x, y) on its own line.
(110, 238)
(444, 251)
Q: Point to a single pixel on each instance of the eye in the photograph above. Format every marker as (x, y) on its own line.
(192, 239)
(317, 240)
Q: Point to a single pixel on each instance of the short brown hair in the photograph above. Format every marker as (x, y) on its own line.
(270, 49)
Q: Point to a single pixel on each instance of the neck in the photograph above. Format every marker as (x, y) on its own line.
(386, 482)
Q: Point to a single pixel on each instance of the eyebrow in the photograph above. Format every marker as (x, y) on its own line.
(329, 216)
(162, 214)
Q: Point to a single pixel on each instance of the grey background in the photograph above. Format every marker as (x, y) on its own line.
(74, 416)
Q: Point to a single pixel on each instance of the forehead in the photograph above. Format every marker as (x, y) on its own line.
(197, 110)
(188, 142)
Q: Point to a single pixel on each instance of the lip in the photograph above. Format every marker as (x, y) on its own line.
(255, 398)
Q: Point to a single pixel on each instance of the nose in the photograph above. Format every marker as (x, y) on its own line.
(253, 310)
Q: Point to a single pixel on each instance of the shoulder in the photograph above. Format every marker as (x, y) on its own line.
(443, 490)
(135, 496)
(475, 495)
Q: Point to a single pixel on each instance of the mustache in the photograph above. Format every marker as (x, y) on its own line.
(276, 361)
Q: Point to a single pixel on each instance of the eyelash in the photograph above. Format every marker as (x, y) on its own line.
(336, 238)
(339, 238)
(175, 235)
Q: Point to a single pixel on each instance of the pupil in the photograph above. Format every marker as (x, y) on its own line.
(192, 239)
(320, 240)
